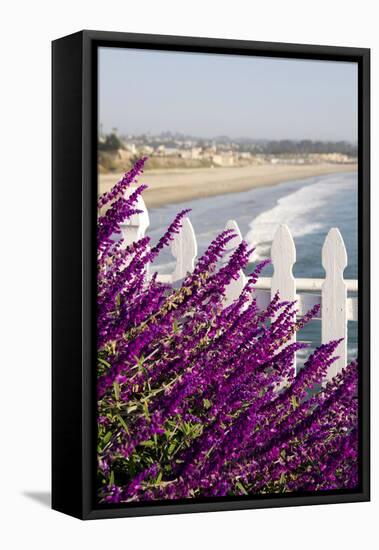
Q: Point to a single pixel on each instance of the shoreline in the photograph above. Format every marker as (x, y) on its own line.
(181, 185)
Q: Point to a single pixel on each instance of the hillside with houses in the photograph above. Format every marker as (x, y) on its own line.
(168, 150)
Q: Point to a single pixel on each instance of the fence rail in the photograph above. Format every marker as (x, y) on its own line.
(331, 292)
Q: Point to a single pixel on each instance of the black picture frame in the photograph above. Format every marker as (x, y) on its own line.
(74, 175)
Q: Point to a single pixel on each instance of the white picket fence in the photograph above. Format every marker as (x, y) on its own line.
(337, 307)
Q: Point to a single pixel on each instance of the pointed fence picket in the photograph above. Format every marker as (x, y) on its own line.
(283, 257)
(184, 249)
(337, 308)
(135, 227)
(334, 297)
(235, 286)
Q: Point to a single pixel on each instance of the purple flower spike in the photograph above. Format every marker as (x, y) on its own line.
(200, 400)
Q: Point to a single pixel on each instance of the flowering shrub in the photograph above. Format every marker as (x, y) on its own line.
(198, 400)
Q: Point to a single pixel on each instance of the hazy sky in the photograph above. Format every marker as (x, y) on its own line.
(206, 95)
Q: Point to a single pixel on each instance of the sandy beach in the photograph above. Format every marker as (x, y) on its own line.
(174, 186)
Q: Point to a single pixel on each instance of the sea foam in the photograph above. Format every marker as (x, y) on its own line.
(300, 210)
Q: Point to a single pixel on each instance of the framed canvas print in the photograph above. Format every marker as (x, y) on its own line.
(210, 274)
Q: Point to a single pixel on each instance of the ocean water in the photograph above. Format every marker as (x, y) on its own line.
(310, 207)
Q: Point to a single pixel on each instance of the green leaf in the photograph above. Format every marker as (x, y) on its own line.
(294, 402)
(116, 388)
(241, 488)
(146, 410)
(282, 479)
(171, 448)
(122, 422)
(107, 437)
(103, 362)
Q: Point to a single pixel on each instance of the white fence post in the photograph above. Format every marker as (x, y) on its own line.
(334, 297)
(184, 249)
(337, 308)
(283, 256)
(135, 227)
(234, 288)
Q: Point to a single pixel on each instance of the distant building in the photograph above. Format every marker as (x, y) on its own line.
(208, 152)
(147, 150)
(196, 153)
(131, 147)
(245, 155)
(172, 151)
(161, 150)
(223, 159)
